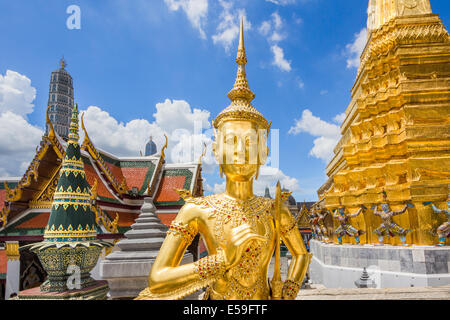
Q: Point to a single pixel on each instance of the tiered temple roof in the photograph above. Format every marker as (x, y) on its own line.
(121, 184)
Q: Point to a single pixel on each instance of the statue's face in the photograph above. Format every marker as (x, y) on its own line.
(385, 207)
(448, 204)
(341, 211)
(240, 148)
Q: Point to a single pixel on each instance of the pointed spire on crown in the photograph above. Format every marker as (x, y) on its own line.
(241, 89)
(241, 95)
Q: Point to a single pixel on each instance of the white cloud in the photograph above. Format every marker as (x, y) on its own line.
(196, 11)
(282, 2)
(279, 60)
(177, 114)
(269, 176)
(328, 134)
(18, 143)
(19, 138)
(265, 28)
(339, 118)
(273, 31)
(118, 138)
(355, 49)
(16, 93)
(228, 29)
(185, 128)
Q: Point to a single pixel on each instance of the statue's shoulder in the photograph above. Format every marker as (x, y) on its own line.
(191, 200)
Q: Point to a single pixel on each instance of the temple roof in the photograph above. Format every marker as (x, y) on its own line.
(122, 183)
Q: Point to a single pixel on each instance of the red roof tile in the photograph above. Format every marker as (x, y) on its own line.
(2, 198)
(126, 219)
(39, 221)
(135, 176)
(116, 171)
(3, 261)
(166, 190)
(91, 175)
(167, 218)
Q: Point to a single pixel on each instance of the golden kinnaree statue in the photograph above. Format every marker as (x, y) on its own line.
(241, 231)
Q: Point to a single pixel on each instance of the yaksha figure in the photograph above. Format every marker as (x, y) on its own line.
(443, 230)
(388, 226)
(319, 230)
(241, 231)
(345, 228)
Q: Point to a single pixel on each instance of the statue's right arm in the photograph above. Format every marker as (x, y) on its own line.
(166, 274)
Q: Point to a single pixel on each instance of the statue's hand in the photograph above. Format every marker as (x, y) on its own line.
(238, 241)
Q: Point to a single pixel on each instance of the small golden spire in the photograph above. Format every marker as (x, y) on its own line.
(73, 129)
(241, 95)
(241, 89)
(62, 63)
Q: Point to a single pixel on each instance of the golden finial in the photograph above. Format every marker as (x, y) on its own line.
(163, 155)
(62, 63)
(241, 95)
(86, 136)
(203, 153)
(94, 190)
(241, 89)
(51, 131)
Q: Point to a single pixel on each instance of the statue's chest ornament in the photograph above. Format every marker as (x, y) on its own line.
(246, 278)
(230, 213)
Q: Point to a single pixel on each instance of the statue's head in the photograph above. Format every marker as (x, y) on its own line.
(341, 211)
(385, 207)
(240, 131)
(448, 204)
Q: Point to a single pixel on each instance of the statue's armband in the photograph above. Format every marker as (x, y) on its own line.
(289, 224)
(186, 232)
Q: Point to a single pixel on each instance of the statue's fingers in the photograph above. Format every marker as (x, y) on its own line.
(244, 240)
(235, 233)
(240, 228)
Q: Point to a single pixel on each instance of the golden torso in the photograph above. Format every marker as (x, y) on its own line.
(219, 215)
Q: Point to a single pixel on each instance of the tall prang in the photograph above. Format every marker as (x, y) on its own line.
(396, 136)
(60, 100)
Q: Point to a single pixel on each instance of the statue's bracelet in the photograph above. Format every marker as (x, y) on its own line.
(291, 289)
(212, 266)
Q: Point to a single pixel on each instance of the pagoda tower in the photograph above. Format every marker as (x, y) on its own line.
(60, 100)
(70, 247)
(396, 134)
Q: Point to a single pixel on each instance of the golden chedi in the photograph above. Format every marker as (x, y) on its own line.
(240, 230)
(396, 135)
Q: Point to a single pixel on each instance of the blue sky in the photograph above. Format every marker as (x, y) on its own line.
(131, 55)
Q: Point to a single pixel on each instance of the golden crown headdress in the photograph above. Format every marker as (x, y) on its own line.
(241, 95)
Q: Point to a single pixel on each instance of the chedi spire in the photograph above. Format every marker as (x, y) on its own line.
(71, 218)
(70, 237)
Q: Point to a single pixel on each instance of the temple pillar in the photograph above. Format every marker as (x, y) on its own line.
(12, 269)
